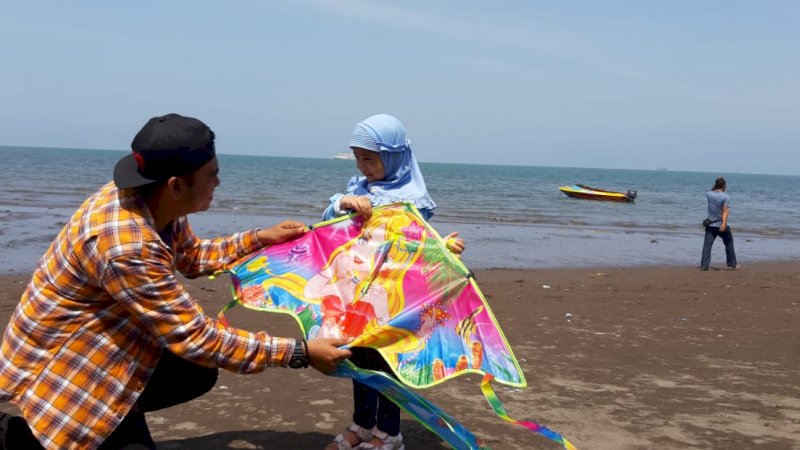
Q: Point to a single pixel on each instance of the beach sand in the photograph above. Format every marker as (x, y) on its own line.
(653, 358)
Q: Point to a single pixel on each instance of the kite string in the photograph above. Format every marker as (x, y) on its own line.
(498, 408)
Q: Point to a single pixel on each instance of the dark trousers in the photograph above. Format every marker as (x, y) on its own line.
(708, 242)
(174, 381)
(371, 408)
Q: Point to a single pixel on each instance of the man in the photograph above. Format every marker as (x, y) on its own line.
(105, 331)
(718, 211)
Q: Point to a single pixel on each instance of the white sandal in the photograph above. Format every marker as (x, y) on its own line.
(361, 433)
(389, 442)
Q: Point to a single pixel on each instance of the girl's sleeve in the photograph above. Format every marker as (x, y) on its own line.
(333, 210)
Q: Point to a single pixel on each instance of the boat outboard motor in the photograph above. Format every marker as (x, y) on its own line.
(630, 194)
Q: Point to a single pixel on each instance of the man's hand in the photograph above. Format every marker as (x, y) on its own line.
(325, 354)
(358, 203)
(281, 232)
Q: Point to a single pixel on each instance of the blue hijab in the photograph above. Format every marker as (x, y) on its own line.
(402, 179)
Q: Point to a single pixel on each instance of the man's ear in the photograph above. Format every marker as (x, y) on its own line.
(176, 187)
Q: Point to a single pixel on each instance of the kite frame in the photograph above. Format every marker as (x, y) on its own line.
(452, 259)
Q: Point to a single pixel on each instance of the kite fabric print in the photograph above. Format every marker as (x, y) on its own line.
(391, 284)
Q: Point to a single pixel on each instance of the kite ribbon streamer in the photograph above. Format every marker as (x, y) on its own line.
(429, 415)
(498, 408)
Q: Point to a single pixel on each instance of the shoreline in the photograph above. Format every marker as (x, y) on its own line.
(653, 357)
(27, 232)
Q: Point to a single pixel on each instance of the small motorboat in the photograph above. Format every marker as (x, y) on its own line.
(590, 193)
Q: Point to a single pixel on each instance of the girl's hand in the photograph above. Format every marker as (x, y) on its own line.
(281, 232)
(360, 204)
(454, 243)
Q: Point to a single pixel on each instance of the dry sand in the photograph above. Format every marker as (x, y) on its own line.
(653, 358)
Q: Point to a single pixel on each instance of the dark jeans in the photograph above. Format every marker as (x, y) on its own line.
(371, 408)
(174, 381)
(708, 242)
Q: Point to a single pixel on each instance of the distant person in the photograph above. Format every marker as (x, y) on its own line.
(718, 211)
(106, 332)
(389, 173)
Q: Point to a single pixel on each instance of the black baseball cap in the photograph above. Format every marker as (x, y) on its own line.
(166, 146)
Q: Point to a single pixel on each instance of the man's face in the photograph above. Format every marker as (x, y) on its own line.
(201, 185)
(369, 164)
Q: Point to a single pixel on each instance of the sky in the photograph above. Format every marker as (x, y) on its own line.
(711, 86)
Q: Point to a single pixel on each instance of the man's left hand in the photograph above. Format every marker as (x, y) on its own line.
(281, 232)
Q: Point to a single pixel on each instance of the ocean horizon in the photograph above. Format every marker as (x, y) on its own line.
(511, 215)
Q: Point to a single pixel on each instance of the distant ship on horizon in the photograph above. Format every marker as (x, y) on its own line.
(344, 155)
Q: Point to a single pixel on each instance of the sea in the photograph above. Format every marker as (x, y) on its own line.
(510, 212)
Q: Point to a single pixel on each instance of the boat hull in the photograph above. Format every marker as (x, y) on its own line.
(589, 193)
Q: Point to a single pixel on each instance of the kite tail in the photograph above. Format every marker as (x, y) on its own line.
(498, 408)
(231, 304)
(221, 315)
(426, 413)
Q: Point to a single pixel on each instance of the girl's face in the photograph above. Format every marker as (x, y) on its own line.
(370, 164)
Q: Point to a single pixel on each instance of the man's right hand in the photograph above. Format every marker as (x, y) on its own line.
(324, 354)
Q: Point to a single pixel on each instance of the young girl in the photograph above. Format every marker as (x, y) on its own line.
(390, 174)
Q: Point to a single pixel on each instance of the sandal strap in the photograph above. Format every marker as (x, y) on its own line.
(389, 442)
(341, 443)
(362, 433)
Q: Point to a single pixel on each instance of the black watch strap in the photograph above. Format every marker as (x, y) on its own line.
(299, 357)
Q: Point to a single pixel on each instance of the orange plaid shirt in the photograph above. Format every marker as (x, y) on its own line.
(103, 303)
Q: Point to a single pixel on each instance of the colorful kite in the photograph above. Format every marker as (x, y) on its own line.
(392, 285)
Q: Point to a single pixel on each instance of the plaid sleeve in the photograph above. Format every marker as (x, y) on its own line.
(148, 288)
(197, 256)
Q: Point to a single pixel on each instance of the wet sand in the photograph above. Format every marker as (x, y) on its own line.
(655, 357)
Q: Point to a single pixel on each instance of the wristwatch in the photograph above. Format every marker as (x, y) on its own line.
(299, 357)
